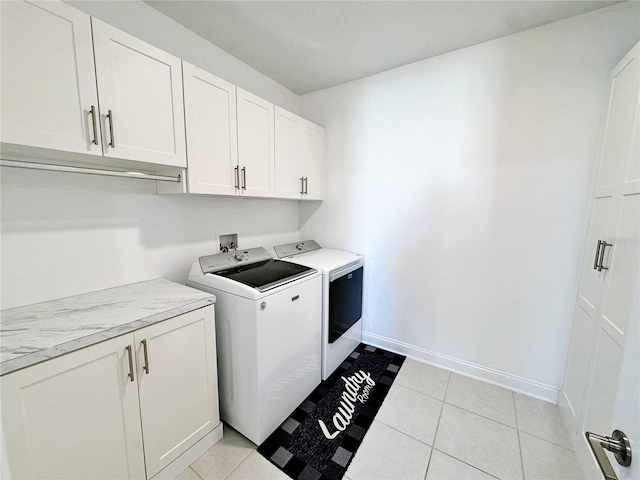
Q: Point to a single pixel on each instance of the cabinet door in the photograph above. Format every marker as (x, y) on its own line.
(212, 135)
(48, 78)
(74, 417)
(602, 339)
(312, 158)
(179, 391)
(141, 105)
(255, 145)
(288, 167)
(610, 205)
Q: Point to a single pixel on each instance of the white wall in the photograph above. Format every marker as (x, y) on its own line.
(464, 181)
(65, 234)
(146, 23)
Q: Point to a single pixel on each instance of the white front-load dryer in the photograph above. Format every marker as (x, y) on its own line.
(342, 291)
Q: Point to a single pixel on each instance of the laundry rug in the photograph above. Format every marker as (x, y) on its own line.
(320, 438)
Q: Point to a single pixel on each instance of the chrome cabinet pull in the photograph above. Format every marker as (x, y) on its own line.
(112, 141)
(306, 185)
(94, 122)
(237, 175)
(595, 262)
(301, 185)
(146, 356)
(617, 443)
(604, 246)
(244, 178)
(130, 353)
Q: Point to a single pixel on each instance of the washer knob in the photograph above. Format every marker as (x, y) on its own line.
(300, 246)
(239, 256)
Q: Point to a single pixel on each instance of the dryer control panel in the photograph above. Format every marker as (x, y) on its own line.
(291, 249)
(223, 261)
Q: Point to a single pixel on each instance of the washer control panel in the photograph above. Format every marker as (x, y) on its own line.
(291, 249)
(223, 261)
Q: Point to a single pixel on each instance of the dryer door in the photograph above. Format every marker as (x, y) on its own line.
(345, 300)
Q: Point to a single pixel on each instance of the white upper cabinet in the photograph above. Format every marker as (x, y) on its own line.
(212, 135)
(48, 79)
(256, 145)
(299, 149)
(289, 178)
(141, 105)
(312, 158)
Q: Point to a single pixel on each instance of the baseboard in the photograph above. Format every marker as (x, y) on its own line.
(176, 467)
(489, 375)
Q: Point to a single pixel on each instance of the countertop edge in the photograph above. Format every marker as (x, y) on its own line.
(31, 359)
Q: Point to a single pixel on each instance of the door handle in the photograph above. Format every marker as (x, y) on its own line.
(306, 185)
(94, 123)
(244, 178)
(237, 174)
(112, 141)
(595, 262)
(618, 443)
(301, 185)
(130, 353)
(146, 356)
(604, 246)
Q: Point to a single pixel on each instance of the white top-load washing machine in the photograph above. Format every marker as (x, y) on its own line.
(342, 281)
(268, 329)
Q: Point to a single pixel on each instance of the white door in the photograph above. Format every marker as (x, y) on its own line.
(48, 78)
(312, 158)
(288, 167)
(212, 134)
(256, 122)
(74, 417)
(594, 399)
(178, 385)
(141, 104)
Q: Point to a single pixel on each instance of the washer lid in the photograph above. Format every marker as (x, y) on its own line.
(267, 274)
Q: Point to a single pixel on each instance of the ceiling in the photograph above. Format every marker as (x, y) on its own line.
(311, 45)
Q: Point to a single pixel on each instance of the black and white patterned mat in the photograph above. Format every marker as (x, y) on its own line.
(319, 439)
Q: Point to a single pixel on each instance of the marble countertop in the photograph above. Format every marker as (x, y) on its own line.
(35, 333)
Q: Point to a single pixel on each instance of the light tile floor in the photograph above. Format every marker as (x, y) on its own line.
(433, 425)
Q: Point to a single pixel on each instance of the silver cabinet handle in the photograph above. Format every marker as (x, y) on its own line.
(604, 246)
(306, 185)
(617, 443)
(130, 353)
(301, 185)
(94, 122)
(244, 178)
(146, 356)
(112, 141)
(236, 171)
(595, 262)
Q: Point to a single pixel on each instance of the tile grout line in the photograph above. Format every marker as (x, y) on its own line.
(422, 393)
(435, 435)
(194, 471)
(238, 466)
(481, 416)
(515, 410)
(544, 439)
(466, 463)
(403, 433)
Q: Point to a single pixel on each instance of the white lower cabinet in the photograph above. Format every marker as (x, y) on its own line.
(178, 387)
(84, 415)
